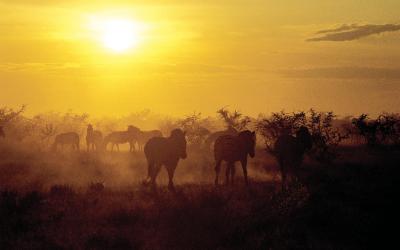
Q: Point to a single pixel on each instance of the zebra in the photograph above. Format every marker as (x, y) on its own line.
(165, 151)
(120, 137)
(142, 137)
(70, 138)
(289, 151)
(231, 148)
(212, 137)
(94, 138)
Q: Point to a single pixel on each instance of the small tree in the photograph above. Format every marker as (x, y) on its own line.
(383, 130)
(196, 128)
(235, 119)
(9, 114)
(271, 128)
(367, 128)
(47, 132)
(389, 128)
(326, 137)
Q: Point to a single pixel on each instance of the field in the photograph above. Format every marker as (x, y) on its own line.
(70, 200)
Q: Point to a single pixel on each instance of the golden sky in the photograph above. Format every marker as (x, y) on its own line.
(253, 55)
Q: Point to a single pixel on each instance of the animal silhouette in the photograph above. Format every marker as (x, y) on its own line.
(120, 137)
(212, 137)
(94, 138)
(70, 138)
(2, 134)
(289, 151)
(168, 151)
(142, 137)
(231, 148)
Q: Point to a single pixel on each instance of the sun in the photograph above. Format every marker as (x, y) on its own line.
(117, 35)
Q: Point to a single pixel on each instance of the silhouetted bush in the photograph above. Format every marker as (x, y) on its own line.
(385, 130)
(326, 137)
(234, 119)
(196, 129)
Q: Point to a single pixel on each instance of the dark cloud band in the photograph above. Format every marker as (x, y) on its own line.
(354, 32)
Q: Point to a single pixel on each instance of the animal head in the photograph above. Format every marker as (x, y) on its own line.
(304, 137)
(179, 138)
(248, 138)
(133, 129)
(232, 130)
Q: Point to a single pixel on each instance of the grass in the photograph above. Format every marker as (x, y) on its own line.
(88, 201)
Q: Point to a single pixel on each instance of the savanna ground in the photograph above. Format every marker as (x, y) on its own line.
(54, 201)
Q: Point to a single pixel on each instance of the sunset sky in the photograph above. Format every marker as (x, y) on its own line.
(175, 57)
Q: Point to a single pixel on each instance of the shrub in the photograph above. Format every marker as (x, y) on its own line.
(326, 137)
(196, 129)
(381, 131)
(234, 119)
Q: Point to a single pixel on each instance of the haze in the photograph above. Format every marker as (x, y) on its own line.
(257, 56)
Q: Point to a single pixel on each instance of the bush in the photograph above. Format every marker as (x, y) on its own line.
(326, 137)
(196, 129)
(385, 130)
(235, 119)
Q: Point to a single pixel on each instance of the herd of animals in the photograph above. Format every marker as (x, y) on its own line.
(229, 145)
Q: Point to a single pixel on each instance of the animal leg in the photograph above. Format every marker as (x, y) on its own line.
(283, 174)
(117, 147)
(171, 172)
(244, 167)
(150, 170)
(154, 173)
(233, 170)
(229, 168)
(217, 170)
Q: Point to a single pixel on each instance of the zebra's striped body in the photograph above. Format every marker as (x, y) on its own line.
(120, 137)
(144, 136)
(94, 138)
(231, 149)
(70, 138)
(212, 137)
(168, 151)
(289, 151)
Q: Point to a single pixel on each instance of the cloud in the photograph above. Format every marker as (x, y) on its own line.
(353, 32)
(345, 73)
